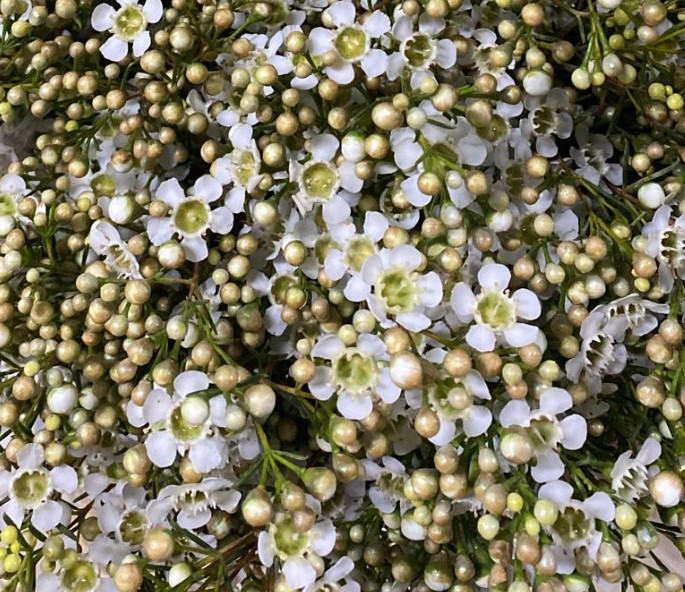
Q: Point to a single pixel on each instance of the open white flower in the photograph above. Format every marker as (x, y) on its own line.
(495, 311)
(12, 190)
(629, 476)
(30, 487)
(351, 42)
(191, 215)
(106, 241)
(173, 432)
(391, 285)
(355, 374)
(546, 431)
(666, 244)
(127, 25)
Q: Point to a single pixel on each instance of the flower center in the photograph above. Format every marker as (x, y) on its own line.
(351, 43)
(193, 501)
(358, 251)
(319, 181)
(419, 51)
(287, 540)
(495, 309)
(545, 433)
(572, 525)
(182, 430)
(192, 216)
(244, 166)
(355, 372)
(451, 404)
(632, 482)
(545, 120)
(129, 21)
(397, 289)
(31, 488)
(8, 205)
(132, 527)
(80, 577)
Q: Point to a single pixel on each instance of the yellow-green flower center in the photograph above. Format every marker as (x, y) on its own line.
(351, 43)
(31, 488)
(287, 540)
(419, 51)
(397, 289)
(545, 433)
(182, 430)
(132, 527)
(8, 205)
(495, 309)
(80, 577)
(319, 181)
(358, 251)
(129, 21)
(192, 216)
(355, 372)
(244, 166)
(572, 525)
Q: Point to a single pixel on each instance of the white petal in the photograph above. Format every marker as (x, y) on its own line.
(430, 286)
(481, 338)
(298, 572)
(549, 467)
(341, 13)
(340, 72)
(558, 492)
(386, 388)
(521, 334)
(207, 188)
(476, 420)
(46, 516)
(320, 41)
(494, 276)
(170, 192)
(650, 451)
(208, 455)
(574, 428)
(372, 346)
(161, 449)
(406, 256)
(324, 146)
(141, 43)
(446, 433)
(334, 264)
(159, 230)
(329, 347)
(554, 401)
(375, 62)
(356, 289)
(339, 570)
(265, 550)
(447, 53)
(191, 381)
(515, 413)
(413, 321)
(195, 248)
(527, 304)
(101, 19)
(30, 456)
(336, 210)
(64, 478)
(114, 49)
(323, 538)
(222, 220)
(353, 407)
(377, 23)
(462, 301)
(475, 383)
(153, 10)
(320, 386)
(375, 225)
(600, 506)
(157, 406)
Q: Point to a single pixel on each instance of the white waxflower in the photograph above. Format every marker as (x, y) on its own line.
(12, 190)
(190, 215)
(330, 581)
(548, 118)
(576, 525)
(391, 285)
(320, 182)
(354, 374)
(637, 312)
(293, 548)
(387, 483)
(351, 42)
(666, 244)
(127, 25)
(546, 431)
(457, 404)
(420, 50)
(30, 487)
(494, 311)
(106, 241)
(351, 250)
(183, 422)
(629, 476)
(593, 160)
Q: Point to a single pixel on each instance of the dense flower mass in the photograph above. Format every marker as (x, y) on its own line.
(342, 295)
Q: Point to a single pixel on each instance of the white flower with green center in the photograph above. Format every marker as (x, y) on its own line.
(127, 25)
(194, 502)
(392, 286)
(106, 241)
(12, 190)
(494, 311)
(320, 182)
(294, 548)
(420, 51)
(172, 430)
(630, 476)
(239, 168)
(576, 525)
(190, 216)
(546, 431)
(354, 373)
(351, 42)
(457, 404)
(30, 487)
(666, 244)
(351, 250)
(329, 582)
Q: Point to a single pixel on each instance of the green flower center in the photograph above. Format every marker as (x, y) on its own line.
(355, 372)
(80, 577)
(545, 433)
(8, 205)
(103, 185)
(280, 288)
(31, 488)
(495, 309)
(397, 289)
(182, 430)
(192, 216)
(288, 541)
(545, 120)
(358, 251)
(319, 181)
(351, 43)
(129, 21)
(132, 527)
(244, 166)
(419, 51)
(572, 525)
